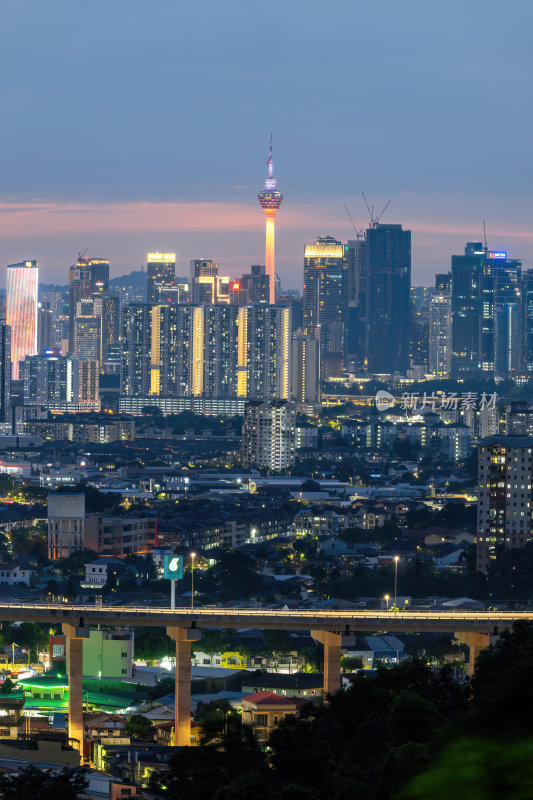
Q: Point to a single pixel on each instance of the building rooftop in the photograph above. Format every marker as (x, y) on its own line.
(507, 441)
(266, 698)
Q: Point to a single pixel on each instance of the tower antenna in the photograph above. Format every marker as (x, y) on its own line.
(485, 236)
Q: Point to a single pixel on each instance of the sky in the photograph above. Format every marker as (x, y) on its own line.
(137, 125)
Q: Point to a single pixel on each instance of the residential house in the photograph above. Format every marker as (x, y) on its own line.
(264, 710)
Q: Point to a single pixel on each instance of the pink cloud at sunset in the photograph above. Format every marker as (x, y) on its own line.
(232, 233)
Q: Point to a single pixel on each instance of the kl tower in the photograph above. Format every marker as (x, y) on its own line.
(270, 200)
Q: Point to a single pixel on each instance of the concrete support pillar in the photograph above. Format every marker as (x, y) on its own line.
(476, 643)
(332, 660)
(184, 638)
(75, 636)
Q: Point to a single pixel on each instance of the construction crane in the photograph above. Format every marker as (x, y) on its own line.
(358, 232)
(374, 219)
(82, 255)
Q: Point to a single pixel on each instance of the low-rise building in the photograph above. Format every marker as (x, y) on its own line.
(264, 710)
(15, 573)
(106, 654)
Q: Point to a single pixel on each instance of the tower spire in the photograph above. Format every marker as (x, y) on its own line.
(269, 162)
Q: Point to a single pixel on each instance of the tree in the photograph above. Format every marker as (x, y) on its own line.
(68, 784)
(351, 663)
(213, 642)
(139, 727)
(152, 644)
(75, 563)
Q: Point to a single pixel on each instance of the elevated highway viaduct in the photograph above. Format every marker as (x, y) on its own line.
(333, 629)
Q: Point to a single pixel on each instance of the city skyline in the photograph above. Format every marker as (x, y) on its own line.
(444, 131)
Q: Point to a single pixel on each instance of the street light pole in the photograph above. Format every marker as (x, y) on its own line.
(387, 598)
(396, 559)
(193, 556)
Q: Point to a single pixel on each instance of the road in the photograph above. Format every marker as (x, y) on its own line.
(288, 620)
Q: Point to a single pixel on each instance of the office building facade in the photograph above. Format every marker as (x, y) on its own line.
(160, 273)
(388, 306)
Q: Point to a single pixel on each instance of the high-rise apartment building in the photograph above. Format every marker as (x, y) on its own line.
(21, 311)
(388, 307)
(305, 384)
(87, 334)
(269, 434)
(107, 308)
(86, 381)
(221, 349)
(208, 351)
(179, 349)
(48, 377)
(505, 499)
(136, 349)
(160, 273)
(440, 335)
(264, 352)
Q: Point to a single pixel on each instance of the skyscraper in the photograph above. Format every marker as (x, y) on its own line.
(99, 275)
(526, 322)
(440, 335)
(45, 328)
(388, 307)
(270, 199)
(325, 278)
(356, 288)
(161, 272)
(21, 311)
(207, 286)
(79, 276)
(487, 313)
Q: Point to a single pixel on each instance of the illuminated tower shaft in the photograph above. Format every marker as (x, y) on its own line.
(270, 259)
(270, 200)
